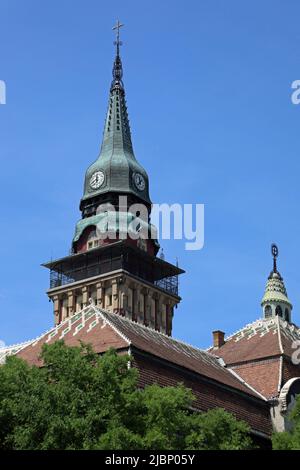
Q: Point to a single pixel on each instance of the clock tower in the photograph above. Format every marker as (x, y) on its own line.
(113, 261)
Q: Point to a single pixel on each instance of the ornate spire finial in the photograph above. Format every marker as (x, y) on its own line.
(117, 42)
(274, 250)
(117, 69)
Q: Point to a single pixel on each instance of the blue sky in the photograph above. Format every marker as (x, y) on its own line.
(208, 88)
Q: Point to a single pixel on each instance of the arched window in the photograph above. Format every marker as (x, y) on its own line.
(268, 311)
(287, 314)
(278, 311)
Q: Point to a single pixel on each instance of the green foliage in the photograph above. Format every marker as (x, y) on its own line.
(289, 440)
(219, 430)
(80, 400)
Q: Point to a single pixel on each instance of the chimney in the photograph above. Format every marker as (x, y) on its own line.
(218, 337)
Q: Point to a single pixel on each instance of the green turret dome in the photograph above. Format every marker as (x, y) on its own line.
(275, 290)
(275, 301)
(116, 170)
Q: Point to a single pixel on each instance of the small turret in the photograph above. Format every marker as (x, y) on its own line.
(275, 300)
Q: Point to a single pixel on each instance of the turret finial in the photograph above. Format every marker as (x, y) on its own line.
(274, 251)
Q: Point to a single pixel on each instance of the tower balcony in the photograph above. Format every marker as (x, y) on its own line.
(114, 257)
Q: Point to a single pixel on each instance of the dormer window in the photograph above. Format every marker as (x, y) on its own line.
(92, 241)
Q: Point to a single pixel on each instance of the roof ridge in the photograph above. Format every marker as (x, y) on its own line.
(264, 321)
(102, 314)
(15, 345)
(159, 334)
(279, 334)
(241, 329)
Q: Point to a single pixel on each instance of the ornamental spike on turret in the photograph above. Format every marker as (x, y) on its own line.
(275, 301)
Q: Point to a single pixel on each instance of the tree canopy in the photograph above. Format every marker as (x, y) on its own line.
(80, 400)
(289, 440)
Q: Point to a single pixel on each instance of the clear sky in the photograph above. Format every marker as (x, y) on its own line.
(208, 88)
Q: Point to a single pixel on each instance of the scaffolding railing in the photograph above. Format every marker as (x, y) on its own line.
(57, 279)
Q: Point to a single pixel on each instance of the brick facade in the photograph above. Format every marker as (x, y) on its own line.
(209, 394)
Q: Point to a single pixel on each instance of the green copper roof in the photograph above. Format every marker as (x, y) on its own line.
(113, 222)
(120, 171)
(275, 290)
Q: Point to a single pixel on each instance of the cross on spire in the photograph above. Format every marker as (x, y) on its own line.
(117, 42)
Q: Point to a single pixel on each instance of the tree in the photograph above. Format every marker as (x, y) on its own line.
(80, 400)
(289, 440)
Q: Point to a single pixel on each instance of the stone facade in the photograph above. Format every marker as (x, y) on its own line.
(117, 293)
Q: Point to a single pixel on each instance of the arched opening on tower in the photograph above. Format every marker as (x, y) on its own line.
(287, 315)
(268, 311)
(278, 311)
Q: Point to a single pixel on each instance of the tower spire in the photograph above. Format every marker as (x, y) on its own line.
(117, 68)
(116, 170)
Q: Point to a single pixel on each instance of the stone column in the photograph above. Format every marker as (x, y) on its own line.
(115, 295)
(123, 299)
(70, 307)
(142, 306)
(136, 302)
(153, 297)
(64, 308)
(147, 311)
(163, 316)
(159, 312)
(130, 299)
(169, 315)
(56, 308)
(99, 294)
(85, 296)
(78, 303)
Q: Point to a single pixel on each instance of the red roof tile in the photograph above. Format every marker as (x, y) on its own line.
(104, 330)
(259, 340)
(264, 376)
(254, 353)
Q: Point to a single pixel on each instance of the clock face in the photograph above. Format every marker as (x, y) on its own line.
(139, 181)
(97, 180)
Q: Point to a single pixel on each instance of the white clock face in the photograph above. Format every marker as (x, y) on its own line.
(97, 180)
(139, 181)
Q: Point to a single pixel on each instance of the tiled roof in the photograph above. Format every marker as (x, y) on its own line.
(264, 376)
(258, 340)
(275, 290)
(11, 350)
(104, 330)
(87, 326)
(258, 351)
(178, 352)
